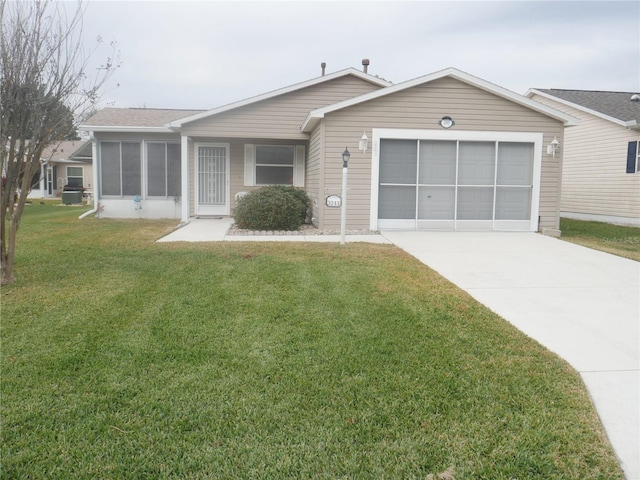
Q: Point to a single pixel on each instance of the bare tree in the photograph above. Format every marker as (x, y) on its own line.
(45, 87)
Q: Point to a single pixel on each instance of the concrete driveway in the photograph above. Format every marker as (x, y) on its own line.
(580, 303)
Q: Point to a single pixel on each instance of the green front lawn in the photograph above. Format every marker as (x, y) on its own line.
(616, 239)
(124, 358)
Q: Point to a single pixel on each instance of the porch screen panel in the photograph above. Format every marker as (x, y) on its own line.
(174, 171)
(212, 175)
(109, 168)
(514, 185)
(156, 168)
(131, 169)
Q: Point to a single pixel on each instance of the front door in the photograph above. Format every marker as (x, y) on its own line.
(51, 181)
(212, 179)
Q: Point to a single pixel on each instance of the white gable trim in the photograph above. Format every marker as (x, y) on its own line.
(631, 124)
(316, 115)
(116, 129)
(176, 124)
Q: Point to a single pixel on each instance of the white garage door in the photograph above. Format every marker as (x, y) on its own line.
(443, 184)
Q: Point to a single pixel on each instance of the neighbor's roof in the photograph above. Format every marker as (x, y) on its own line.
(135, 119)
(616, 107)
(292, 88)
(69, 150)
(316, 115)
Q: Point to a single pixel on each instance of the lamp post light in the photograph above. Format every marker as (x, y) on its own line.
(343, 217)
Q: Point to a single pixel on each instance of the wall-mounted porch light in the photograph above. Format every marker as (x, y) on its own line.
(363, 143)
(553, 147)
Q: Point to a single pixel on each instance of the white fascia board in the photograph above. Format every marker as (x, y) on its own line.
(533, 91)
(128, 129)
(177, 124)
(314, 116)
(632, 125)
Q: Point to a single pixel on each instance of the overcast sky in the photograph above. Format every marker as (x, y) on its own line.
(179, 54)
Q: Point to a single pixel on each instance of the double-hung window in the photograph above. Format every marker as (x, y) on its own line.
(163, 169)
(633, 157)
(75, 176)
(274, 165)
(121, 168)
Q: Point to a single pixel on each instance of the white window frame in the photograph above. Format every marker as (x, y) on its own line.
(299, 155)
(74, 176)
(456, 135)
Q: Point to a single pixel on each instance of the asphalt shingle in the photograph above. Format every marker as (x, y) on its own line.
(614, 104)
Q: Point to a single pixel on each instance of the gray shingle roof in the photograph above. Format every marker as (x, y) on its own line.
(69, 150)
(617, 105)
(137, 117)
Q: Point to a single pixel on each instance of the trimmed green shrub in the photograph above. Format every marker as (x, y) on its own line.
(272, 208)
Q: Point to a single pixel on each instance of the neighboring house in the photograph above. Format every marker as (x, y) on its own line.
(486, 169)
(68, 163)
(601, 156)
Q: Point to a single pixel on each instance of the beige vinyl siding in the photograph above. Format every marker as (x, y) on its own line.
(281, 116)
(314, 180)
(595, 181)
(421, 107)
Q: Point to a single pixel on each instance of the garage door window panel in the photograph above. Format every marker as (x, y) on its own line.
(397, 202)
(436, 203)
(437, 163)
(399, 160)
(476, 163)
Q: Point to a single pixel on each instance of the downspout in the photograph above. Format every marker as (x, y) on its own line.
(94, 160)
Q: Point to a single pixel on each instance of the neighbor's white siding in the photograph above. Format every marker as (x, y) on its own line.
(595, 183)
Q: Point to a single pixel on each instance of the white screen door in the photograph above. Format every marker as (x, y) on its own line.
(212, 180)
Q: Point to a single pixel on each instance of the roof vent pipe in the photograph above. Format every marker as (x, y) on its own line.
(323, 65)
(365, 65)
(635, 97)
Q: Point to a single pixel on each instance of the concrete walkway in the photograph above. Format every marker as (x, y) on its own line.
(580, 303)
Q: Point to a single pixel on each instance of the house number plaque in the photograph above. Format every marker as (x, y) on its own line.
(334, 201)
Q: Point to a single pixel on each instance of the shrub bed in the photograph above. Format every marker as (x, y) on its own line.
(272, 208)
